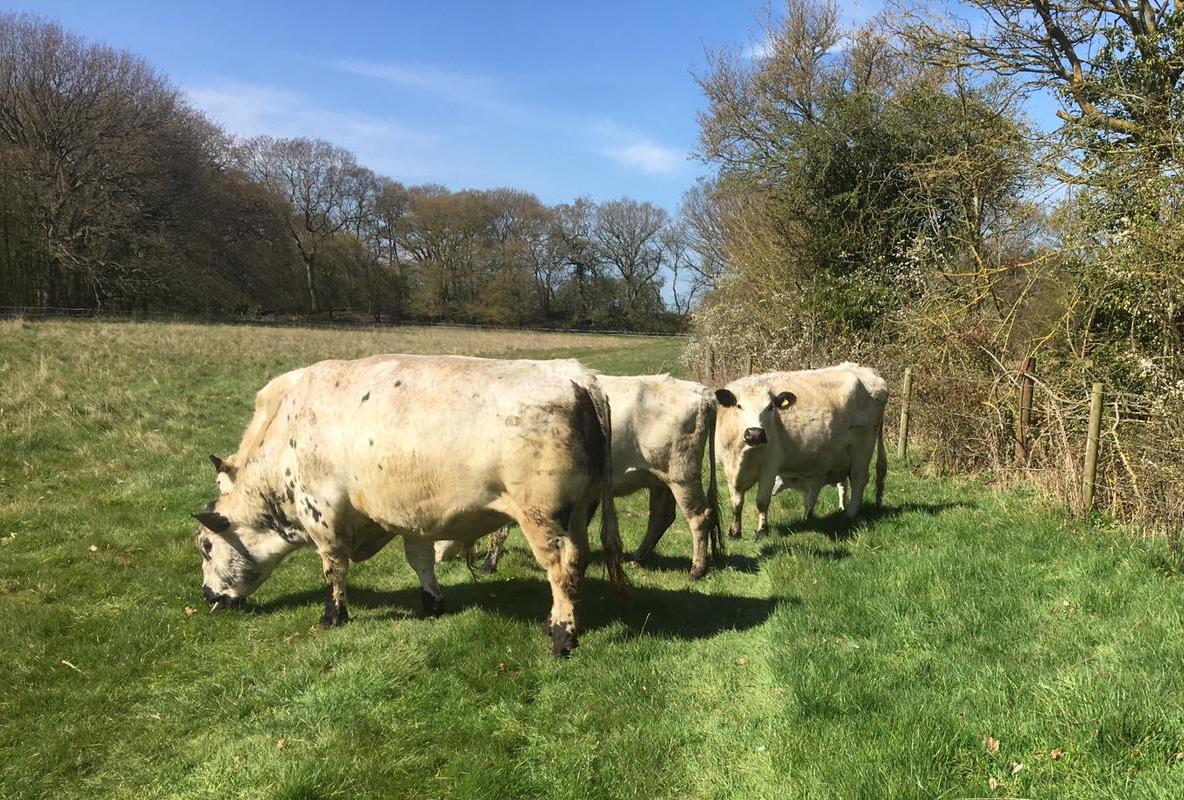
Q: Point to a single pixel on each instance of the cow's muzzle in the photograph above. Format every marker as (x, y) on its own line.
(754, 436)
(219, 601)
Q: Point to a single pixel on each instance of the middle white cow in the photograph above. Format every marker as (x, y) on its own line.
(661, 427)
(807, 428)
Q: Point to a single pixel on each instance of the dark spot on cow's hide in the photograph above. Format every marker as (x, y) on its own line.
(292, 443)
(313, 511)
(287, 472)
(433, 606)
(336, 384)
(371, 441)
(335, 613)
(291, 495)
(398, 384)
(563, 639)
(365, 397)
(274, 518)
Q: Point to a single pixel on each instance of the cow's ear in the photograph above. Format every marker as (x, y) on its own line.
(219, 464)
(725, 398)
(785, 399)
(213, 520)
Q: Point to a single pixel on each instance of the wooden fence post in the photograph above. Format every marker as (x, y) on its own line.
(708, 366)
(1027, 383)
(906, 396)
(1091, 448)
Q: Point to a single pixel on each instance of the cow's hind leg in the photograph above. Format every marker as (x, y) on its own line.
(497, 547)
(336, 566)
(841, 487)
(421, 555)
(701, 517)
(661, 518)
(564, 558)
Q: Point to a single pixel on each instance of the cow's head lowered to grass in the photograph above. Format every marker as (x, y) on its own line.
(237, 555)
(758, 409)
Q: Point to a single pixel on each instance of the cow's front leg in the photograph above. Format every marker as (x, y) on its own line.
(764, 495)
(737, 497)
(421, 555)
(841, 486)
(564, 560)
(336, 566)
(811, 501)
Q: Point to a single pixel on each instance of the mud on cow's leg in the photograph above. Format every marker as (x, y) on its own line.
(421, 555)
(661, 518)
(564, 558)
(336, 566)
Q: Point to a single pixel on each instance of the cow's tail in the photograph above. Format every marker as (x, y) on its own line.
(610, 534)
(881, 464)
(718, 550)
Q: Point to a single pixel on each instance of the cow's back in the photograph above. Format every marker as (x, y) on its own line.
(437, 445)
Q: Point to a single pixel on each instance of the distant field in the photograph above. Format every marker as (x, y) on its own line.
(960, 642)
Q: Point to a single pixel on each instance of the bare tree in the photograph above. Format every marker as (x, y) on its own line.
(314, 178)
(627, 235)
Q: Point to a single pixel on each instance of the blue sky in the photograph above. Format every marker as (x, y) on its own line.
(561, 99)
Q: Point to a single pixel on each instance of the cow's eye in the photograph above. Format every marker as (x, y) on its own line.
(206, 546)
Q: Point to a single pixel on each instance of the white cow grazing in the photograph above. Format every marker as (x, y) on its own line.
(806, 429)
(661, 428)
(343, 456)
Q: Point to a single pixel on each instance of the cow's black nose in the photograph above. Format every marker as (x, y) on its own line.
(754, 436)
(219, 600)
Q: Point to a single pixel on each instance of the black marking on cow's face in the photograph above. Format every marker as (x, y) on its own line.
(563, 639)
(725, 398)
(365, 397)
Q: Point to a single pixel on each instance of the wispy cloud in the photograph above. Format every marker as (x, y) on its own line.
(637, 151)
(382, 143)
(464, 89)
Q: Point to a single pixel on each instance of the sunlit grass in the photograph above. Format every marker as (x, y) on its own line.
(877, 661)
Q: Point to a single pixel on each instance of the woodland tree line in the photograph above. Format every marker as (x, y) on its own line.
(115, 194)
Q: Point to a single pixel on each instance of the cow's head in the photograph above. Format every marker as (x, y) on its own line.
(237, 555)
(759, 408)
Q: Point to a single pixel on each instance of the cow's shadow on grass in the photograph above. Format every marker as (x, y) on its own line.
(657, 562)
(666, 613)
(838, 528)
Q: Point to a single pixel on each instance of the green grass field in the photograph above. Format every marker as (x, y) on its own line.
(960, 642)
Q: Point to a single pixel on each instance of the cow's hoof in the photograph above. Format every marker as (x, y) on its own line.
(433, 607)
(762, 533)
(488, 568)
(733, 534)
(698, 571)
(563, 639)
(334, 616)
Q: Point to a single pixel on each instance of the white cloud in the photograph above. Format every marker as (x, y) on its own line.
(637, 151)
(759, 51)
(459, 88)
(381, 143)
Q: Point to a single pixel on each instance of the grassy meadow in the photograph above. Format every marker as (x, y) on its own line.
(962, 641)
